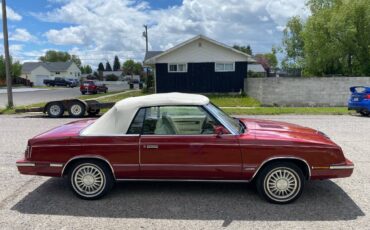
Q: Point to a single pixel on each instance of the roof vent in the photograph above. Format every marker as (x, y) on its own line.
(199, 44)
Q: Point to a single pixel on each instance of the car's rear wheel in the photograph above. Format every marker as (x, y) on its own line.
(280, 183)
(91, 179)
(365, 113)
(77, 109)
(55, 110)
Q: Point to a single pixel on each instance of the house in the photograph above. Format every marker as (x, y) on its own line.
(37, 72)
(199, 65)
(256, 69)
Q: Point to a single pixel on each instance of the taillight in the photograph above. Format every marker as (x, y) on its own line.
(367, 96)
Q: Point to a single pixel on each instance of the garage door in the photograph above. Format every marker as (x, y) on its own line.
(39, 80)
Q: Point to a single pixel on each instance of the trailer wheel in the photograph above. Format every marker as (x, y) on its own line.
(77, 109)
(55, 109)
(93, 113)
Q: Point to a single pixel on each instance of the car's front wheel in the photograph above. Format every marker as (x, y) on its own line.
(280, 183)
(90, 180)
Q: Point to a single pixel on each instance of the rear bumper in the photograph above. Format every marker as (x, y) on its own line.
(359, 106)
(333, 171)
(39, 168)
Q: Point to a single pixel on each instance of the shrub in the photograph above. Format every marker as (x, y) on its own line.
(111, 77)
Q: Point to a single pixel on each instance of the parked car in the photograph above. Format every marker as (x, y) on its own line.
(59, 81)
(93, 87)
(360, 100)
(74, 81)
(177, 136)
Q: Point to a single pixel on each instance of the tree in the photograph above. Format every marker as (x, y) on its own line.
(130, 67)
(337, 38)
(268, 60)
(86, 69)
(100, 67)
(15, 68)
(245, 49)
(116, 64)
(108, 67)
(293, 44)
(60, 56)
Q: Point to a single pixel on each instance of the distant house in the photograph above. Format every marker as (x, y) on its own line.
(37, 72)
(257, 69)
(199, 65)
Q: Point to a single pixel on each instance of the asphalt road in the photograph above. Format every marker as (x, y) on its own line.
(32, 202)
(42, 95)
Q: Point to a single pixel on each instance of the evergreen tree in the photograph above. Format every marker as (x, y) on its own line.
(116, 64)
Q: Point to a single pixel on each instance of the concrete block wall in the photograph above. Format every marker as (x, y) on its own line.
(313, 91)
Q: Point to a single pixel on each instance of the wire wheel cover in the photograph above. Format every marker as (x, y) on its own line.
(88, 179)
(282, 184)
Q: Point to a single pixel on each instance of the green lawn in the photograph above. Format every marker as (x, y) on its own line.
(288, 110)
(250, 106)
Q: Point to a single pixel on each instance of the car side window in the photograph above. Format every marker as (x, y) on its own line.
(137, 123)
(178, 120)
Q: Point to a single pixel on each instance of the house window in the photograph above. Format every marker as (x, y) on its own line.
(177, 68)
(224, 67)
(57, 72)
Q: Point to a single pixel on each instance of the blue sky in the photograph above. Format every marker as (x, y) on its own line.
(96, 30)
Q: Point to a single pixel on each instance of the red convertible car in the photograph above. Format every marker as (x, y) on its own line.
(178, 137)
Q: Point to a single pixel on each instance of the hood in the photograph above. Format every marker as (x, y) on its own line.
(283, 131)
(67, 130)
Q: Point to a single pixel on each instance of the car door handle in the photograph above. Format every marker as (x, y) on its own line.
(151, 147)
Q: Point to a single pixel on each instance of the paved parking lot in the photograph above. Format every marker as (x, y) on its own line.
(31, 202)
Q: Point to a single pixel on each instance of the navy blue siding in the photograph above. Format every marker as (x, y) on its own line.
(201, 78)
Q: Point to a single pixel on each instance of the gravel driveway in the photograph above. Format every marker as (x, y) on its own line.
(31, 202)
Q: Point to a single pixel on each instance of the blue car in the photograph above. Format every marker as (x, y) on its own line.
(360, 100)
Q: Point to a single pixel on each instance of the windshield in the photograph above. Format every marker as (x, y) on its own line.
(232, 123)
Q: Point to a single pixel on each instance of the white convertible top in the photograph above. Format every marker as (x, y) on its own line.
(118, 119)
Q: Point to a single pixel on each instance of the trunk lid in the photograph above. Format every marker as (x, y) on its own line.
(359, 93)
(67, 130)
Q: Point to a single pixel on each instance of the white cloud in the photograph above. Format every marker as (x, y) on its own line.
(21, 35)
(101, 29)
(11, 14)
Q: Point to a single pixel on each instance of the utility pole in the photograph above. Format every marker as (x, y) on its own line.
(7, 57)
(145, 35)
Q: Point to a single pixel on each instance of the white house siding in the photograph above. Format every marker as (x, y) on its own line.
(200, 51)
(72, 72)
(37, 75)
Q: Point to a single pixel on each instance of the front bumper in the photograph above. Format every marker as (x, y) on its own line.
(39, 168)
(333, 171)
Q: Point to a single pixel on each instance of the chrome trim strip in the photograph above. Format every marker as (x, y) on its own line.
(126, 165)
(186, 180)
(56, 165)
(281, 158)
(341, 167)
(25, 164)
(301, 146)
(88, 157)
(79, 145)
(193, 165)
